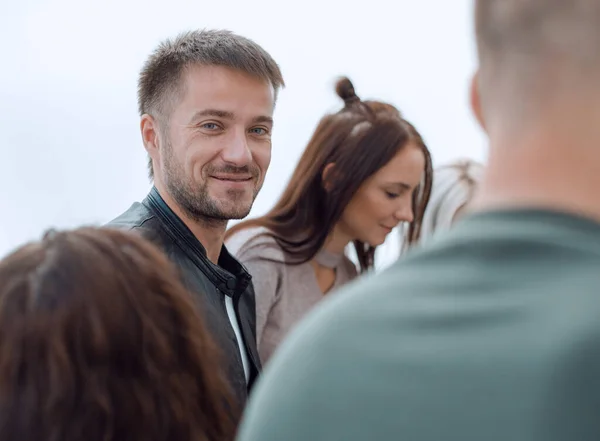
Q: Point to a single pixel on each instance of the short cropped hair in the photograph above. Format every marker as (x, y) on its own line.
(538, 28)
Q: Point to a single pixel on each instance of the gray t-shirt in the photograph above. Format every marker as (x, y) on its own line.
(284, 293)
(492, 332)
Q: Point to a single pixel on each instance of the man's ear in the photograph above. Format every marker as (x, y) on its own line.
(150, 136)
(475, 98)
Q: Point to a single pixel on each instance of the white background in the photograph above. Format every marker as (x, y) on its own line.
(70, 146)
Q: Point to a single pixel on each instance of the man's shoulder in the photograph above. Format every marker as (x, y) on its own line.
(456, 276)
(134, 217)
(141, 220)
(429, 309)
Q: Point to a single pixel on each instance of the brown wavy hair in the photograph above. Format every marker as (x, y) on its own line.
(360, 139)
(99, 341)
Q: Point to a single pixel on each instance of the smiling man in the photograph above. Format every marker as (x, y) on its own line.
(206, 101)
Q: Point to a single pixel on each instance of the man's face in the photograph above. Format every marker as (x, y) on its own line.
(213, 158)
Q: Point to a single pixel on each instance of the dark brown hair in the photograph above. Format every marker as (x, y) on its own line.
(160, 81)
(99, 341)
(360, 139)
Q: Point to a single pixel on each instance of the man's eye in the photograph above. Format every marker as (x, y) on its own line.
(259, 131)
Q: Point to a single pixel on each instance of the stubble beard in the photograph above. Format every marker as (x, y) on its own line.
(196, 201)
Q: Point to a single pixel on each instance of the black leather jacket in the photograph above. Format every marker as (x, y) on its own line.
(209, 282)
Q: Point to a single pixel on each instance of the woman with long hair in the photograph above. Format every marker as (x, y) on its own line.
(99, 341)
(364, 171)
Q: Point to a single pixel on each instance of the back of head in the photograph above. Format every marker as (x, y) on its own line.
(161, 79)
(358, 140)
(99, 341)
(531, 51)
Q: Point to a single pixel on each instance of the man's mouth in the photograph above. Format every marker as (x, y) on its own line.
(233, 178)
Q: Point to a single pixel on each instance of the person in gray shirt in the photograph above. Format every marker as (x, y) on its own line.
(492, 330)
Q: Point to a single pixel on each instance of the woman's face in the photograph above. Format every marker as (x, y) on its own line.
(385, 199)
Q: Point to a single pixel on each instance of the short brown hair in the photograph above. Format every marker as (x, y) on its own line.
(100, 341)
(160, 79)
(537, 28)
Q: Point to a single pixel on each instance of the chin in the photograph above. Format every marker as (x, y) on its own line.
(238, 215)
(236, 211)
(376, 242)
(234, 202)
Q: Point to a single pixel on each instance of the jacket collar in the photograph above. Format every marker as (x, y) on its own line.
(227, 266)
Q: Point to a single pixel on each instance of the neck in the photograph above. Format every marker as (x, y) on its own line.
(337, 241)
(210, 233)
(551, 167)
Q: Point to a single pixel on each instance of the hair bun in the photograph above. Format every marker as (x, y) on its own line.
(345, 90)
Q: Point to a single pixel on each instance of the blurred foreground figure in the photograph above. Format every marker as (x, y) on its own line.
(99, 341)
(492, 332)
